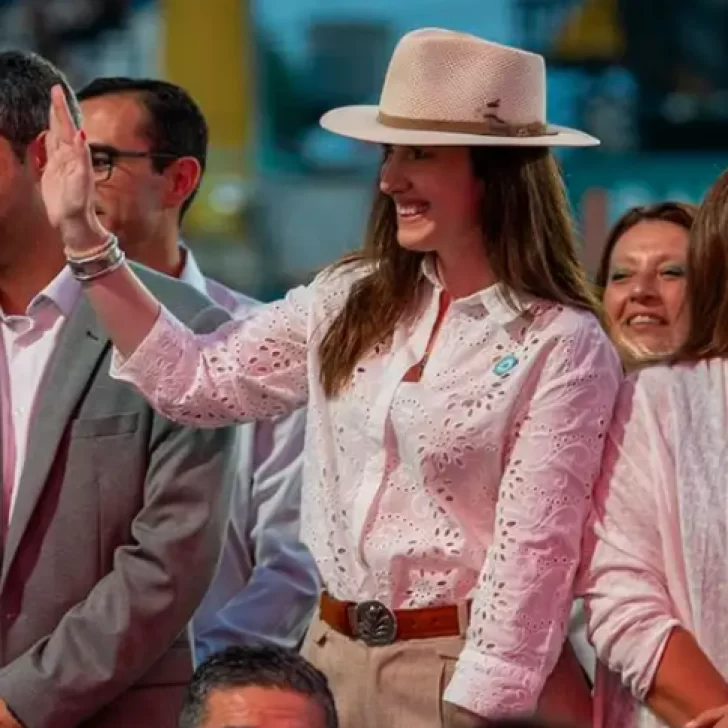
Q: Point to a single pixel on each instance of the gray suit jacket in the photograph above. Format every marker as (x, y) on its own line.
(118, 524)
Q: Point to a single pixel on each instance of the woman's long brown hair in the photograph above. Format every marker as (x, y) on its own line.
(527, 235)
(707, 278)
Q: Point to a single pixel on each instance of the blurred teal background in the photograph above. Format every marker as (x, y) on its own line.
(283, 198)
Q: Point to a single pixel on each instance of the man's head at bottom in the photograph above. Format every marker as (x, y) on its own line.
(258, 687)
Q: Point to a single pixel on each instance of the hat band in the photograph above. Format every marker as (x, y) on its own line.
(489, 127)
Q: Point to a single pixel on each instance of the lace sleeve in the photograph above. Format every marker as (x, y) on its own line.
(248, 369)
(521, 605)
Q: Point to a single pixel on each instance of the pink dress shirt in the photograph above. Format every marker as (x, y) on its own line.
(658, 554)
(474, 482)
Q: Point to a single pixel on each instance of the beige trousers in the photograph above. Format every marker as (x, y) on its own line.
(401, 685)
(396, 686)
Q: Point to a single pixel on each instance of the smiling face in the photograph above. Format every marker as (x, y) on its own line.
(645, 292)
(436, 196)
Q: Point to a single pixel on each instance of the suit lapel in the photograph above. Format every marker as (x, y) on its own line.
(80, 347)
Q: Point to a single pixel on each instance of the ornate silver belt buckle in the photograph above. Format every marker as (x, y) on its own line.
(375, 624)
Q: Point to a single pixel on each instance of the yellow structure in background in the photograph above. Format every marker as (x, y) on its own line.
(207, 49)
(592, 31)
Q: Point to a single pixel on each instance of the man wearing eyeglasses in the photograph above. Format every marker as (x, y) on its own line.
(148, 143)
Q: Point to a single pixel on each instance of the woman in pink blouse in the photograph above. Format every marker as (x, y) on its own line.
(458, 382)
(641, 278)
(655, 572)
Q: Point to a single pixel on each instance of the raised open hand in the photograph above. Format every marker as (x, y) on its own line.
(67, 184)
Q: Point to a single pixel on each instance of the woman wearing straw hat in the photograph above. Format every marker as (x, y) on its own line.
(457, 379)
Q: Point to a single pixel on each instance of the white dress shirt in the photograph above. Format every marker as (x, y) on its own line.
(473, 482)
(267, 584)
(27, 344)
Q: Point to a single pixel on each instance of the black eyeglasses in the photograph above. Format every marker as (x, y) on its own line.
(104, 158)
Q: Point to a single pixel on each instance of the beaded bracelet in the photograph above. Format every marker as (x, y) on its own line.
(71, 254)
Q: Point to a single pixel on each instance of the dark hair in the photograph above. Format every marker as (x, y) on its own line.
(260, 666)
(678, 213)
(26, 80)
(707, 270)
(527, 236)
(176, 125)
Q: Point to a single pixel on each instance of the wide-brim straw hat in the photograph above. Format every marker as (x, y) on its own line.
(448, 88)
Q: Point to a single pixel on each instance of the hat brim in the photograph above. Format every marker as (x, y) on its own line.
(361, 122)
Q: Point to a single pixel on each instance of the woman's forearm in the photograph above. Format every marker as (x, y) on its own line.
(686, 682)
(126, 309)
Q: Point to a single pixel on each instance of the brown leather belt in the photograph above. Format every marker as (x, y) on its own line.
(375, 624)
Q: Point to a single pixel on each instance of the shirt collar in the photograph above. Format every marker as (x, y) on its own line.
(191, 273)
(63, 291)
(494, 298)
